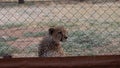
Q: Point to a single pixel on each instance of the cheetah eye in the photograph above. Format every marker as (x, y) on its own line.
(60, 32)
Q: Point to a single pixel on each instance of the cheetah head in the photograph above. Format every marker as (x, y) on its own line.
(58, 33)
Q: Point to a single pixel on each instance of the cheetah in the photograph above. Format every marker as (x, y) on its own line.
(50, 45)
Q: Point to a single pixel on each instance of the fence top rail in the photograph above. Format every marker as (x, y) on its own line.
(80, 61)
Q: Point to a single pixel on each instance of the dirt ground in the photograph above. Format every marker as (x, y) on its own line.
(21, 41)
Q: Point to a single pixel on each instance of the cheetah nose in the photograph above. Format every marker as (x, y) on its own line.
(65, 37)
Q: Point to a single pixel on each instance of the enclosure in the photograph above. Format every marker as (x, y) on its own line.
(93, 26)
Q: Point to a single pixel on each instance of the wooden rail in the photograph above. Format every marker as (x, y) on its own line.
(112, 61)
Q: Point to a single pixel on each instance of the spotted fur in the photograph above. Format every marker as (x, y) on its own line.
(50, 45)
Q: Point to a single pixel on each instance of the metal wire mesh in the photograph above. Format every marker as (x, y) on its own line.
(93, 26)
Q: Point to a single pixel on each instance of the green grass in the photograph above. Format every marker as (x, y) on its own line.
(8, 4)
(9, 38)
(6, 49)
(57, 23)
(50, 23)
(31, 48)
(79, 41)
(11, 25)
(104, 24)
(89, 38)
(34, 34)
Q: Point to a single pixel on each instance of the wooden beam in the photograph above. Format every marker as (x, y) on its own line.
(112, 61)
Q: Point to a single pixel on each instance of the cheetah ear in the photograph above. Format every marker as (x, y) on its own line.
(51, 30)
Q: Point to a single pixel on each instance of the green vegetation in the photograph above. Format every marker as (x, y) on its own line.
(7, 49)
(33, 34)
(85, 40)
(9, 38)
(11, 25)
(12, 38)
(57, 23)
(31, 48)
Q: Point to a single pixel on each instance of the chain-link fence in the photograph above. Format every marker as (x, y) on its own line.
(93, 26)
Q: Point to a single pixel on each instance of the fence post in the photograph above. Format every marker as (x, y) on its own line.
(21, 1)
